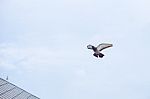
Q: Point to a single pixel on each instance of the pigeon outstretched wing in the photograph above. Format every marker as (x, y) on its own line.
(102, 46)
(89, 46)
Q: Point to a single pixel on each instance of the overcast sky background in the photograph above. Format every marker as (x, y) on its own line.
(43, 48)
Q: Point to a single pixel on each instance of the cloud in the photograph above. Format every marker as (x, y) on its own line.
(25, 58)
(35, 58)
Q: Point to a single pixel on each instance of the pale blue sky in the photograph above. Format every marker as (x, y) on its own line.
(43, 48)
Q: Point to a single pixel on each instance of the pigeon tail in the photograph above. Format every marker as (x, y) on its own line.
(101, 55)
(95, 55)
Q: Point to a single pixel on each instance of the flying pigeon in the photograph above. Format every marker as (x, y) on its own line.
(97, 50)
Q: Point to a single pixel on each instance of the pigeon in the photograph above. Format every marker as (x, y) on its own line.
(97, 50)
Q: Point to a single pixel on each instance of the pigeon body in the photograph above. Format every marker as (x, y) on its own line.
(97, 50)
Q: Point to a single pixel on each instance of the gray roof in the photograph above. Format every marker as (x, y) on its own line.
(10, 91)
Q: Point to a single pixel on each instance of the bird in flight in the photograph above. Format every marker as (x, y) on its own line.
(97, 50)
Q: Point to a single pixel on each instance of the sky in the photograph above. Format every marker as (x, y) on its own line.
(43, 48)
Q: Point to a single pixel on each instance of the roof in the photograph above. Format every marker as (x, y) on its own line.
(11, 91)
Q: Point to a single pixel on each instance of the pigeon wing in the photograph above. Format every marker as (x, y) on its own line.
(89, 46)
(102, 46)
